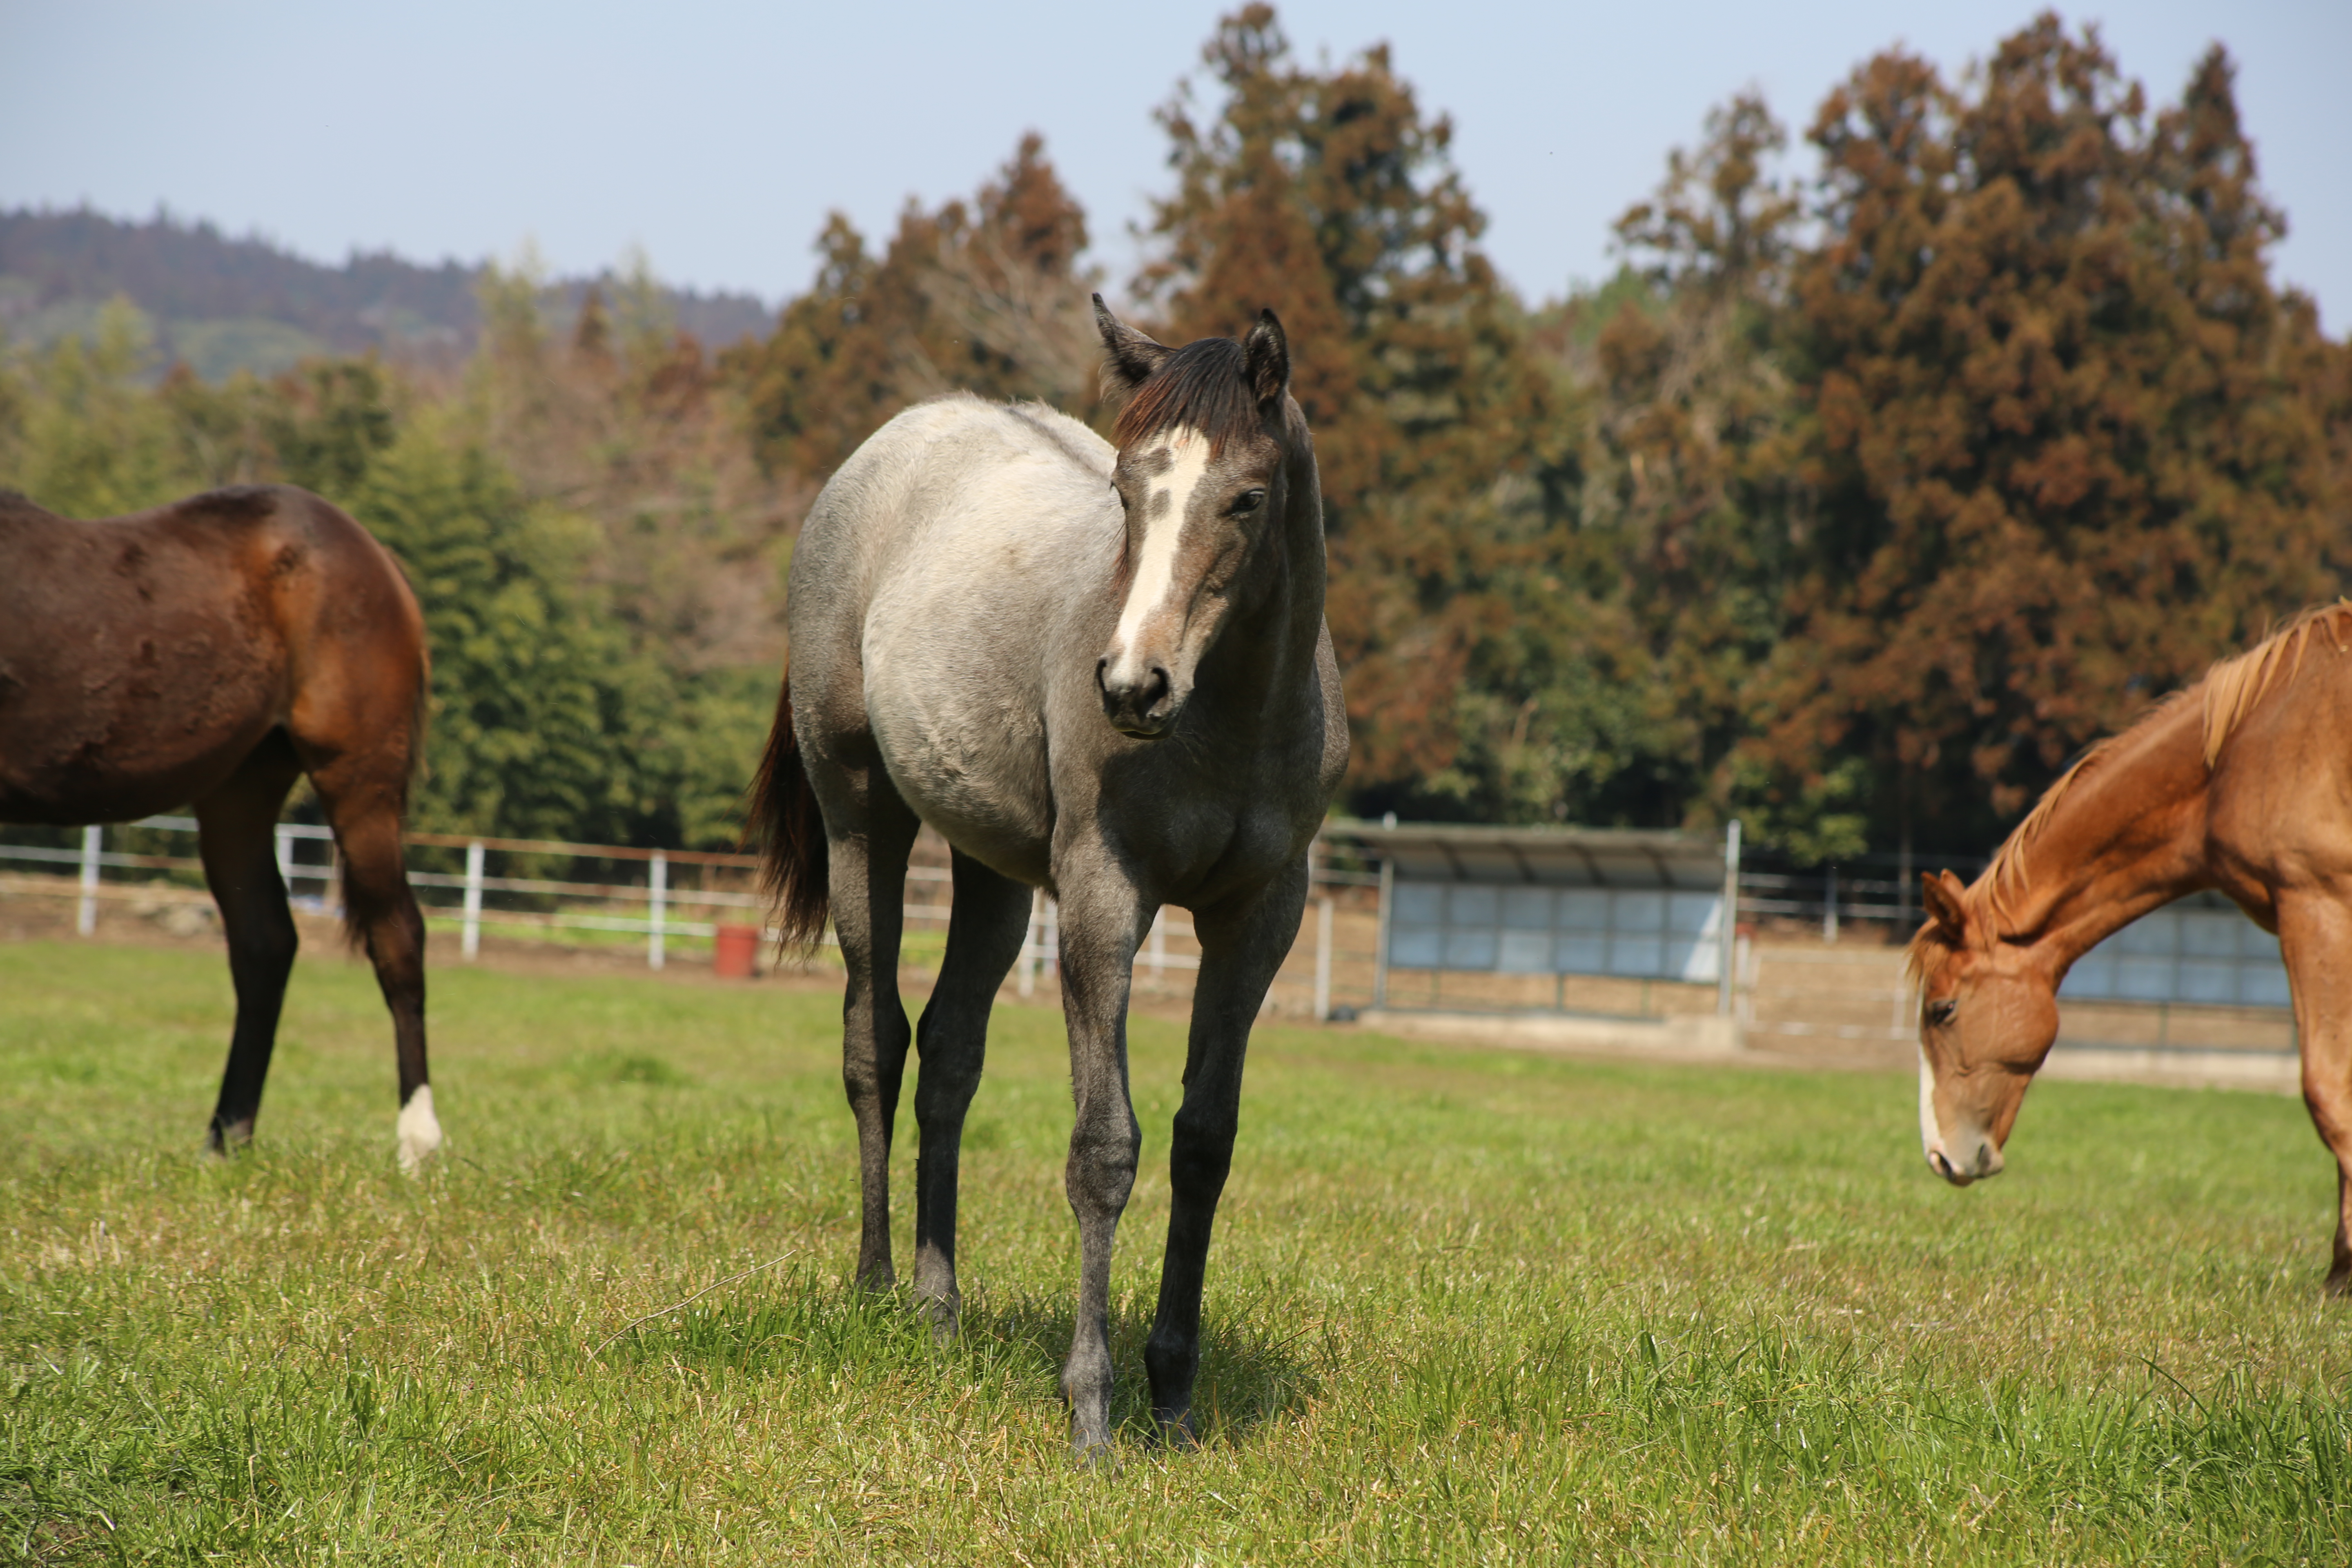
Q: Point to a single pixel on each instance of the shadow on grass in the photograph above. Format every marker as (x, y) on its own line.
(1014, 1342)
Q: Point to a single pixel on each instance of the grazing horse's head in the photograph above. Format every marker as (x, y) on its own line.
(1205, 476)
(1988, 1016)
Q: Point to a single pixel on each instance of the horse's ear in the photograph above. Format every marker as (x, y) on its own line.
(1133, 356)
(1941, 892)
(1265, 358)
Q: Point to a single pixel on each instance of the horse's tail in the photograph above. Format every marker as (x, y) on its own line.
(783, 818)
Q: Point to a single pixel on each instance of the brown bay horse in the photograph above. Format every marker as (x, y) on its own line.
(214, 651)
(2243, 783)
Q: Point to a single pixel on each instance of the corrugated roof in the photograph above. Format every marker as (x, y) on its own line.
(1550, 856)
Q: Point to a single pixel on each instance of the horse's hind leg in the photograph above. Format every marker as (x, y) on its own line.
(381, 915)
(869, 833)
(984, 934)
(235, 835)
(1241, 946)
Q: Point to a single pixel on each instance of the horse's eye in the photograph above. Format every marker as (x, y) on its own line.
(1941, 1013)
(1249, 500)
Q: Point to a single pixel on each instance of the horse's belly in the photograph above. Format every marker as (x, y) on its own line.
(104, 730)
(973, 768)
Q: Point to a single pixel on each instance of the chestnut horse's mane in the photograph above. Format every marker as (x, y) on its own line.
(2228, 691)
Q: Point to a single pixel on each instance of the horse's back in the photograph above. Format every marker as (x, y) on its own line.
(142, 656)
(949, 474)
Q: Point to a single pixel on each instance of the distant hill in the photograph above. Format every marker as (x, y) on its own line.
(224, 305)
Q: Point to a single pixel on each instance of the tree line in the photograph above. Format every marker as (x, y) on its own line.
(1891, 469)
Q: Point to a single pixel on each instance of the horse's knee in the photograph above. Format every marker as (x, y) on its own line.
(1101, 1171)
(1201, 1153)
(872, 1077)
(945, 1087)
(262, 940)
(861, 1080)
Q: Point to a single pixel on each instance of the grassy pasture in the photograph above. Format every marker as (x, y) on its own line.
(1464, 1306)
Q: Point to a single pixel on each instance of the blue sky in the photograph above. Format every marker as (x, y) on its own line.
(717, 136)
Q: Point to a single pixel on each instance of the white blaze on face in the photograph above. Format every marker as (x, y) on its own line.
(1165, 501)
(420, 1134)
(1931, 1132)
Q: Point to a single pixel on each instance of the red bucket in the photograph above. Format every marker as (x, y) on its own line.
(738, 950)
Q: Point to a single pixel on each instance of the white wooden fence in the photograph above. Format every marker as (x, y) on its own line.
(657, 908)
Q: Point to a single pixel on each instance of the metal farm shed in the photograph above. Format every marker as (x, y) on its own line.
(1626, 903)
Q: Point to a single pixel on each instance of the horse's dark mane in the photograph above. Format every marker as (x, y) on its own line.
(1201, 386)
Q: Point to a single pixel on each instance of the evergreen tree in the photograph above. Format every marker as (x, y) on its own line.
(989, 298)
(1329, 197)
(2053, 424)
(85, 436)
(529, 726)
(1673, 578)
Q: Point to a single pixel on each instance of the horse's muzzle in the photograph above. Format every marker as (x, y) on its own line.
(1976, 1158)
(1140, 709)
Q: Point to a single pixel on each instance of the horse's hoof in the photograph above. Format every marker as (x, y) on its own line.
(419, 1134)
(1177, 1433)
(2338, 1285)
(946, 1318)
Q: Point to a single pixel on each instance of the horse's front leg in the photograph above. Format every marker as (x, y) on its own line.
(2315, 932)
(1242, 943)
(1102, 925)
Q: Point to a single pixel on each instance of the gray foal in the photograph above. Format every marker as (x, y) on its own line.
(1100, 671)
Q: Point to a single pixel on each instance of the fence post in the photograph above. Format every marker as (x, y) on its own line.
(1829, 909)
(1157, 947)
(472, 940)
(657, 909)
(1323, 959)
(285, 847)
(1380, 945)
(93, 839)
(1025, 983)
(1727, 962)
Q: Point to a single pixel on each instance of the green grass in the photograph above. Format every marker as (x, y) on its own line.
(1464, 1307)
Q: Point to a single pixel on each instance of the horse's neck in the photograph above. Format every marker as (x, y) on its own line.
(2126, 837)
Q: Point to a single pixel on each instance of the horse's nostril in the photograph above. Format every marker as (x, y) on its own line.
(1158, 687)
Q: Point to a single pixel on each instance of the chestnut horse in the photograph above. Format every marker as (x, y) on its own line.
(2241, 782)
(212, 651)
